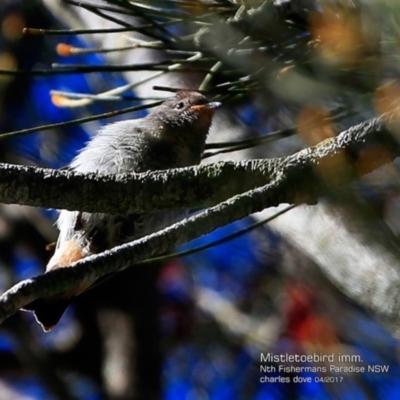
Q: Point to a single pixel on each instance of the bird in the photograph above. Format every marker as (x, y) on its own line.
(172, 135)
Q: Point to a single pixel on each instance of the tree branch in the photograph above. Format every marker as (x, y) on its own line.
(120, 257)
(293, 179)
(338, 160)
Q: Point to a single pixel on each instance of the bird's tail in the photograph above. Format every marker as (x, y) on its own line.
(48, 311)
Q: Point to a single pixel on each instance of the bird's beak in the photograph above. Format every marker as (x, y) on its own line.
(209, 106)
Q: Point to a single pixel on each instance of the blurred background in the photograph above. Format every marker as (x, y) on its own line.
(319, 279)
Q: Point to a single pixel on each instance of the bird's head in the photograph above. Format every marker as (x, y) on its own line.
(187, 110)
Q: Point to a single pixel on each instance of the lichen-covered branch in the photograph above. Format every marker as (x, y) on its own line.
(295, 179)
(120, 257)
(337, 161)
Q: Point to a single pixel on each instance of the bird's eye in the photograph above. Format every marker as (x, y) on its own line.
(180, 105)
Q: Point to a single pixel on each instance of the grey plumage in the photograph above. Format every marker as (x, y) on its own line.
(172, 135)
